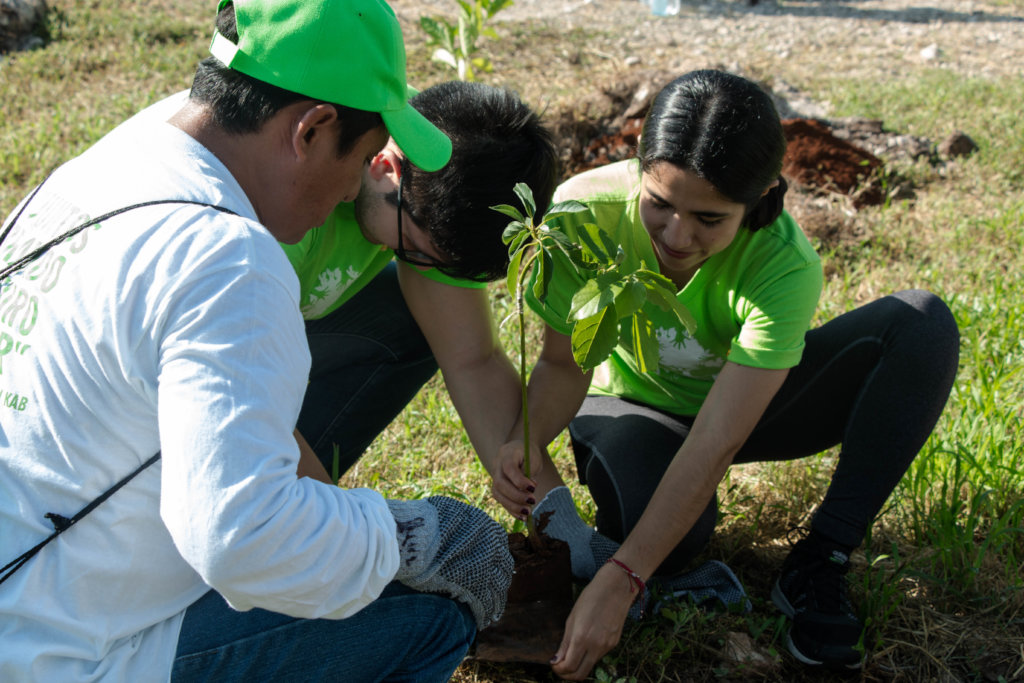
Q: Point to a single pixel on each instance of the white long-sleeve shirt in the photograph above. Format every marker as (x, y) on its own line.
(171, 328)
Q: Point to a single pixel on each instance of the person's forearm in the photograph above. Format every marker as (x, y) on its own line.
(682, 495)
(556, 392)
(488, 399)
(732, 409)
(309, 465)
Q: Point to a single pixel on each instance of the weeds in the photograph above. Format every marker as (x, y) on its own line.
(456, 42)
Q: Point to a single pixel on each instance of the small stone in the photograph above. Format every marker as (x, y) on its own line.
(958, 144)
(741, 651)
(930, 53)
(18, 20)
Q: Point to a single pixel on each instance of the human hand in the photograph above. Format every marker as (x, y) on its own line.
(454, 549)
(509, 486)
(595, 624)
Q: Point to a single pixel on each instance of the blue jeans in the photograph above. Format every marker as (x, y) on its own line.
(401, 636)
(369, 360)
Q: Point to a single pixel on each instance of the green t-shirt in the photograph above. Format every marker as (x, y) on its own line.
(753, 301)
(334, 261)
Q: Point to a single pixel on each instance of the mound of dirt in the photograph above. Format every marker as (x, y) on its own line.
(818, 159)
(834, 168)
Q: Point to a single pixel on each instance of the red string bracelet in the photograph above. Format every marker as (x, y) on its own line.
(633, 576)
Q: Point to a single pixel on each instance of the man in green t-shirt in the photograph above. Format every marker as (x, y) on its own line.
(377, 329)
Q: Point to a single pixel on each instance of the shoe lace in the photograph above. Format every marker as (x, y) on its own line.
(822, 574)
(825, 584)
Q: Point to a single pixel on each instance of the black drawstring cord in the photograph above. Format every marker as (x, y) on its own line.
(32, 256)
(62, 524)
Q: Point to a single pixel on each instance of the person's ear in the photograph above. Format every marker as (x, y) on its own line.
(386, 163)
(314, 125)
(774, 183)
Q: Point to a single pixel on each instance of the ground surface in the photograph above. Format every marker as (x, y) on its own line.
(592, 65)
(788, 38)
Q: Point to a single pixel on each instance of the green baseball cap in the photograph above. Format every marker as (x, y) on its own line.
(347, 52)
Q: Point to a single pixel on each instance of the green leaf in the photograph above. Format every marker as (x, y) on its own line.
(666, 300)
(510, 211)
(465, 47)
(445, 57)
(511, 230)
(610, 245)
(588, 234)
(433, 29)
(546, 267)
(495, 6)
(563, 209)
(646, 350)
(594, 338)
(571, 250)
(656, 279)
(470, 32)
(517, 241)
(513, 271)
(630, 298)
(525, 195)
(594, 296)
(556, 236)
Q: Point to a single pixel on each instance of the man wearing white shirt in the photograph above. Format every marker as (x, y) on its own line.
(173, 328)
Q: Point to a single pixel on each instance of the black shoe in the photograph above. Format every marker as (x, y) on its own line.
(812, 591)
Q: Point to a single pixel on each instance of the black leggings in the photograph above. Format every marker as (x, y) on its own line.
(874, 379)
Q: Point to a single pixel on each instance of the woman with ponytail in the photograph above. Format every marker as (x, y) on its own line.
(703, 204)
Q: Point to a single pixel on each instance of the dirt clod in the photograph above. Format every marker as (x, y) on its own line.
(818, 159)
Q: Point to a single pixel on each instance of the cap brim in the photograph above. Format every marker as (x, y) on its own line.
(421, 141)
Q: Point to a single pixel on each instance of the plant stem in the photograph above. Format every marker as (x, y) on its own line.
(531, 524)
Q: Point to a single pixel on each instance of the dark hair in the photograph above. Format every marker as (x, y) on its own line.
(725, 129)
(497, 141)
(242, 104)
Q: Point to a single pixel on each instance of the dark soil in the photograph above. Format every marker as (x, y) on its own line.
(816, 158)
(539, 601)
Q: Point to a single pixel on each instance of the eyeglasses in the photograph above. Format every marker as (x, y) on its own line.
(414, 258)
(418, 258)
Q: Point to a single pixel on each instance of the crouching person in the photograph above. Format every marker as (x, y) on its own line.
(148, 475)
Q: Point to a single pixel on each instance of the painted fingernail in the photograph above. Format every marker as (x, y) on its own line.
(531, 501)
(531, 489)
(525, 513)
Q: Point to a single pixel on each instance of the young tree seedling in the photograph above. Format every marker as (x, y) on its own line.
(611, 291)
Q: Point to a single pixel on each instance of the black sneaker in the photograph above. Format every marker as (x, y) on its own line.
(812, 592)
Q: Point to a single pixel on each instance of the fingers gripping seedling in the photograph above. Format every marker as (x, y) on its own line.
(611, 291)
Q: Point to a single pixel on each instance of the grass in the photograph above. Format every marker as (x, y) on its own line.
(939, 580)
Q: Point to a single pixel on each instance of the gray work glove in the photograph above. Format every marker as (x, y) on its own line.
(454, 549)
